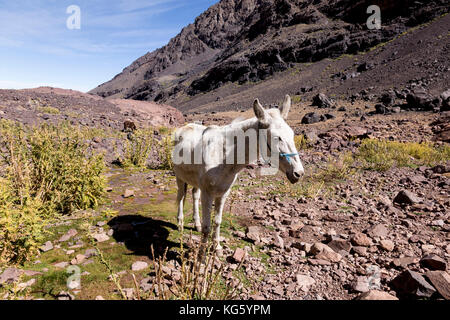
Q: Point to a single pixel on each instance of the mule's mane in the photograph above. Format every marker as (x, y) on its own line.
(274, 113)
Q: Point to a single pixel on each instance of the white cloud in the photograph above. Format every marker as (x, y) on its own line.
(131, 5)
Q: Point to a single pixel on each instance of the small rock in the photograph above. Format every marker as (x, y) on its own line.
(404, 262)
(360, 239)
(100, 237)
(139, 265)
(362, 251)
(146, 284)
(433, 262)
(361, 284)
(378, 231)
(406, 197)
(10, 275)
(128, 193)
(78, 259)
(278, 242)
(47, 246)
(27, 284)
(253, 234)
(61, 265)
(387, 245)
(438, 223)
(340, 244)
(305, 282)
(99, 298)
(323, 252)
(71, 233)
(239, 255)
(376, 295)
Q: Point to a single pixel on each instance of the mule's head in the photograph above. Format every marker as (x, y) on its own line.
(280, 138)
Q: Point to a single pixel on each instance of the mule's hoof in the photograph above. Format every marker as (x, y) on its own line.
(219, 251)
(198, 228)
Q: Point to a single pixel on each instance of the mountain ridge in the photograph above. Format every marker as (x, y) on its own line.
(247, 41)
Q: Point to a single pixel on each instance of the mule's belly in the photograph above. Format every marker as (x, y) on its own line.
(214, 181)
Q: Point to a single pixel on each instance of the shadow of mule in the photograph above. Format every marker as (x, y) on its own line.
(140, 233)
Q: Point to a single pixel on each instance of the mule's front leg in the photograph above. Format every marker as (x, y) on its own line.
(182, 187)
(219, 204)
(196, 198)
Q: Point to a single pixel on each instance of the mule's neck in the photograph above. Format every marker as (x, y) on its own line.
(245, 126)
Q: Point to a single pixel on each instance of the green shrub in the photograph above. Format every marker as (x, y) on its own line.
(301, 142)
(382, 155)
(22, 226)
(339, 168)
(165, 148)
(44, 170)
(48, 110)
(138, 148)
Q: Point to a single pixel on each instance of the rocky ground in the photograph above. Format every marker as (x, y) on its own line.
(366, 235)
(52, 105)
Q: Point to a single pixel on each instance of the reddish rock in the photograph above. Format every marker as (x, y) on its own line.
(411, 283)
(433, 262)
(340, 244)
(404, 262)
(378, 231)
(441, 281)
(406, 197)
(387, 245)
(239, 255)
(360, 239)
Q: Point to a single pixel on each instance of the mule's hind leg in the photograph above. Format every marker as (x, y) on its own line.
(206, 215)
(207, 201)
(182, 188)
(196, 198)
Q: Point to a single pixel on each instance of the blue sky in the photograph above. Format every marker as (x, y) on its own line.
(37, 48)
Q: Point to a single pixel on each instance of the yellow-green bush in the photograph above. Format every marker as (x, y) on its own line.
(165, 149)
(138, 148)
(44, 170)
(301, 142)
(339, 168)
(140, 145)
(382, 155)
(22, 225)
(48, 110)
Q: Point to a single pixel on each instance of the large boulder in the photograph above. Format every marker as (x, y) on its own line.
(445, 96)
(419, 99)
(412, 284)
(322, 101)
(313, 117)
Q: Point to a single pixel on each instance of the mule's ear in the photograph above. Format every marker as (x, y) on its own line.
(286, 107)
(260, 113)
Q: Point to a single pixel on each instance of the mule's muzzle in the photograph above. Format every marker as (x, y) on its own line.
(294, 176)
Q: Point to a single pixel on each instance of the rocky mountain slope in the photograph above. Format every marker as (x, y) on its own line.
(52, 105)
(238, 43)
